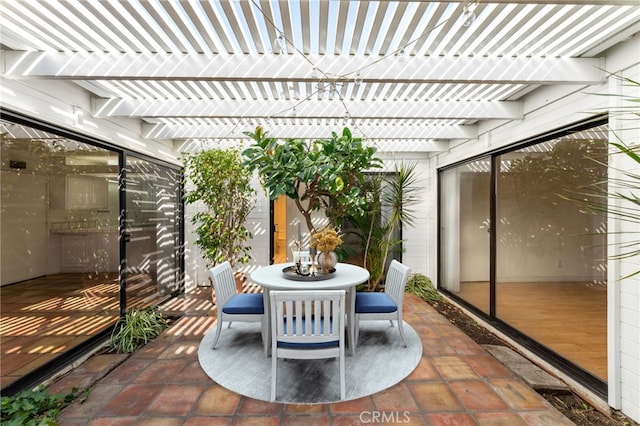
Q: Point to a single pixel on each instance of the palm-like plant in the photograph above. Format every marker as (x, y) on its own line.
(618, 195)
(628, 189)
(624, 188)
(390, 200)
(620, 201)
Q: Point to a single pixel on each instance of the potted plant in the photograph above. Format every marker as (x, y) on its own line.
(319, 175)
(220, 184)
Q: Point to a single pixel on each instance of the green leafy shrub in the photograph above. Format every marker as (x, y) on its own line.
(422, 286)
(322, 175)
(137, 328)
(218, 179)
(34, 407)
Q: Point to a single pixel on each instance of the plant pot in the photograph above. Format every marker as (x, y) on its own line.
(327, 261)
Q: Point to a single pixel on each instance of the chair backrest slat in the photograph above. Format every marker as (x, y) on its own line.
(224, 283)
(396, 280)
(308, 316)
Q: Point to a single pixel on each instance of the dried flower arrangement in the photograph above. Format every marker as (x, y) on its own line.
(326, 240)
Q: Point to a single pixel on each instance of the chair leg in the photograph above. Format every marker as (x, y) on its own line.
(390, 323)
(402, 331)
(218, 330)
(342, 380)
(274, 375)
(263, 334)
(229, 326)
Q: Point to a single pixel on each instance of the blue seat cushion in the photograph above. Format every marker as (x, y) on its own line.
(244, 304)
(374, 303)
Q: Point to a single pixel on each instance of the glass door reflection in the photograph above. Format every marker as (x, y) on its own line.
(151, 232)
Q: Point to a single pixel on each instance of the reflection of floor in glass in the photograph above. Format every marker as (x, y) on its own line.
(47, 316)
(568, 317)
(141, 291)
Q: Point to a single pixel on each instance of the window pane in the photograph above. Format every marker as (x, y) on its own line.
(152, 229)
(464, 231)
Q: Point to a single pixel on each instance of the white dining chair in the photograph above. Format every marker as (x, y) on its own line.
(231, 305)
(385, 305)
(307, 325)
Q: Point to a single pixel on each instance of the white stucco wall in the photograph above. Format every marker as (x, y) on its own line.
(624, 291)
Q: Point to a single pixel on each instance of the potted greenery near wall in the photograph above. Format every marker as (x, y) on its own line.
(217, 180)
(317, 175)
(390, 201)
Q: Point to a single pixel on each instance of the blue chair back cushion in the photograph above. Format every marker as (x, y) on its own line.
(368, 303)
(318, 345)
(244, 304)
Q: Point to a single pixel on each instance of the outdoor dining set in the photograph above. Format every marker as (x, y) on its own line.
(307, 318)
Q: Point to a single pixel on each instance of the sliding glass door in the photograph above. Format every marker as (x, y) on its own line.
(68, 269)
(519, 243)
(59, 256)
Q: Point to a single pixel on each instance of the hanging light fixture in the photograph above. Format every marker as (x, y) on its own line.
(468, 13)
(280, 43)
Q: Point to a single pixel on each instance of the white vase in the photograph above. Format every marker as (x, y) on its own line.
(327, 261)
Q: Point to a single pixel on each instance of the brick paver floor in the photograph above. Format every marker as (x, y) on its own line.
(456, 383)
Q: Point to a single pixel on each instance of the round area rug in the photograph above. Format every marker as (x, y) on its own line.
(238, 363)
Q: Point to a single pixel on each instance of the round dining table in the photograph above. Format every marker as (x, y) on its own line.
(346, 277)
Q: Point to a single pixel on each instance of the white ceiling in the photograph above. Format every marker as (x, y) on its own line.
(406, 75)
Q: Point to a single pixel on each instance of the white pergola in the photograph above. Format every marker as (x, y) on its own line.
(405, 75)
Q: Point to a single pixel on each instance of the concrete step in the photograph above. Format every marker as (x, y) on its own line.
(533, 375)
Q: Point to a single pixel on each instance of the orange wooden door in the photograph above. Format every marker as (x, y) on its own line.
(280, 229)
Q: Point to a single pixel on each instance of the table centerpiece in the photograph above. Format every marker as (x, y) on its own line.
(326, 241)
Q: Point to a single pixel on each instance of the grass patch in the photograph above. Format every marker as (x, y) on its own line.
(136, 329)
